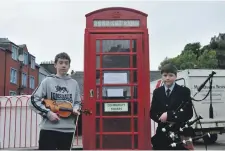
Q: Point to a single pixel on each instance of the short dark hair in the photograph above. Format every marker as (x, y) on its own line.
(169, 68)
(62, 55)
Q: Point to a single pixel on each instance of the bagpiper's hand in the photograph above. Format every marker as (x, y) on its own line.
(76, 111)
(163, 117)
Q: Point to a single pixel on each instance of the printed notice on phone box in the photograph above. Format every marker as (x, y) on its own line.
(116, 107)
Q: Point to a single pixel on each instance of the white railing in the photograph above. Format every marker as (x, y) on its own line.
(19, 125)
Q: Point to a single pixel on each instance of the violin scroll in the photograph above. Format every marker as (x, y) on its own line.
(86, 111)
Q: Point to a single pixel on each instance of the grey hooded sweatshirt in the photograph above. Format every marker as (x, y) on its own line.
(57, 89)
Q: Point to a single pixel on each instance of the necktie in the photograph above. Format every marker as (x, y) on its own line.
(168, 92)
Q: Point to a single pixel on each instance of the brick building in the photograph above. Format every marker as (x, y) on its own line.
(17, 78)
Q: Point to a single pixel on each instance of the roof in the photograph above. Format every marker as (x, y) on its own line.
(4, 40)
(22, 46)
(37, 65)
(116, 8)
(4, 48)
(32, 55)
(79, 77)
(44, 71)
(49, 67)
(4, 43)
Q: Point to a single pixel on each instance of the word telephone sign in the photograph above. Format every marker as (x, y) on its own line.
(116, 80)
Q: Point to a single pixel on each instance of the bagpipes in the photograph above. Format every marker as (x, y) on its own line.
(171, 132)
(189, 140)
(184, 129)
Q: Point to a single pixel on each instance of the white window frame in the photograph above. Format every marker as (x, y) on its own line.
(15, 52)
(12, 92)
(25, 54)
(24, 81)
(32, 84)
(12, 78)
(32, 64)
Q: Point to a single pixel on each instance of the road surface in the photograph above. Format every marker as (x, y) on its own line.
(219, 145)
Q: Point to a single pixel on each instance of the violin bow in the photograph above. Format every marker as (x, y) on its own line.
(85, 111)
(71, 146)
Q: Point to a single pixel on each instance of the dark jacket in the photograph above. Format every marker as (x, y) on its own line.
(161, 103)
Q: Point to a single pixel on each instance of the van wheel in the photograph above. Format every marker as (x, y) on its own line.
(210, 140)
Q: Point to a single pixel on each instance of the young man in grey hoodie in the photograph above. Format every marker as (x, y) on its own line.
(56, 132)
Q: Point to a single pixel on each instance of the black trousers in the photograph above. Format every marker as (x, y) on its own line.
(54, 140)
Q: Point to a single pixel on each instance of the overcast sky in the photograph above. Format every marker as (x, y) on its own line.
(48, 27)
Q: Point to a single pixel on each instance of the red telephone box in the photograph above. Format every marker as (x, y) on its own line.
(116, 80)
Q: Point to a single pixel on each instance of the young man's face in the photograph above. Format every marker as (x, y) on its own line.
(62, 66)
(168, 78)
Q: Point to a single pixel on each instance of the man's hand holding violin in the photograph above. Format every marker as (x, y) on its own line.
(76, 111)
(53, 116)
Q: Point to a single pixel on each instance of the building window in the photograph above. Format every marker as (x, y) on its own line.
(25, 58)
(32, 83)
(32, 63)
(24, 79)
(14, 52)
(13, 76)
(12, 93)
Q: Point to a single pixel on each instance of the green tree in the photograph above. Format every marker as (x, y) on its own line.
(208, 60)
(194, 55)
(194, 47)
(166, 61)
(187, 60)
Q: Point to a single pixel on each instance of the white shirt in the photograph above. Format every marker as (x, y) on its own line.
(171, 88)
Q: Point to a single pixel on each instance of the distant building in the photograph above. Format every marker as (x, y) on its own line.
(43, 73)
(79, 77)
(49, 66)
(16, 78)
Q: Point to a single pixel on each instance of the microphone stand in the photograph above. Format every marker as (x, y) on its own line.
(199, 89)
(210, 76)
(210, 107)
(210, 79)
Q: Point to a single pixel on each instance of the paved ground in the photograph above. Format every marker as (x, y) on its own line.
(219, 145)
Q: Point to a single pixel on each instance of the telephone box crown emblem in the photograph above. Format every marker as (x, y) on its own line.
(116, 14)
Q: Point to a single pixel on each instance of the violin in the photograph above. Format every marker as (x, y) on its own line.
(63, 109)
